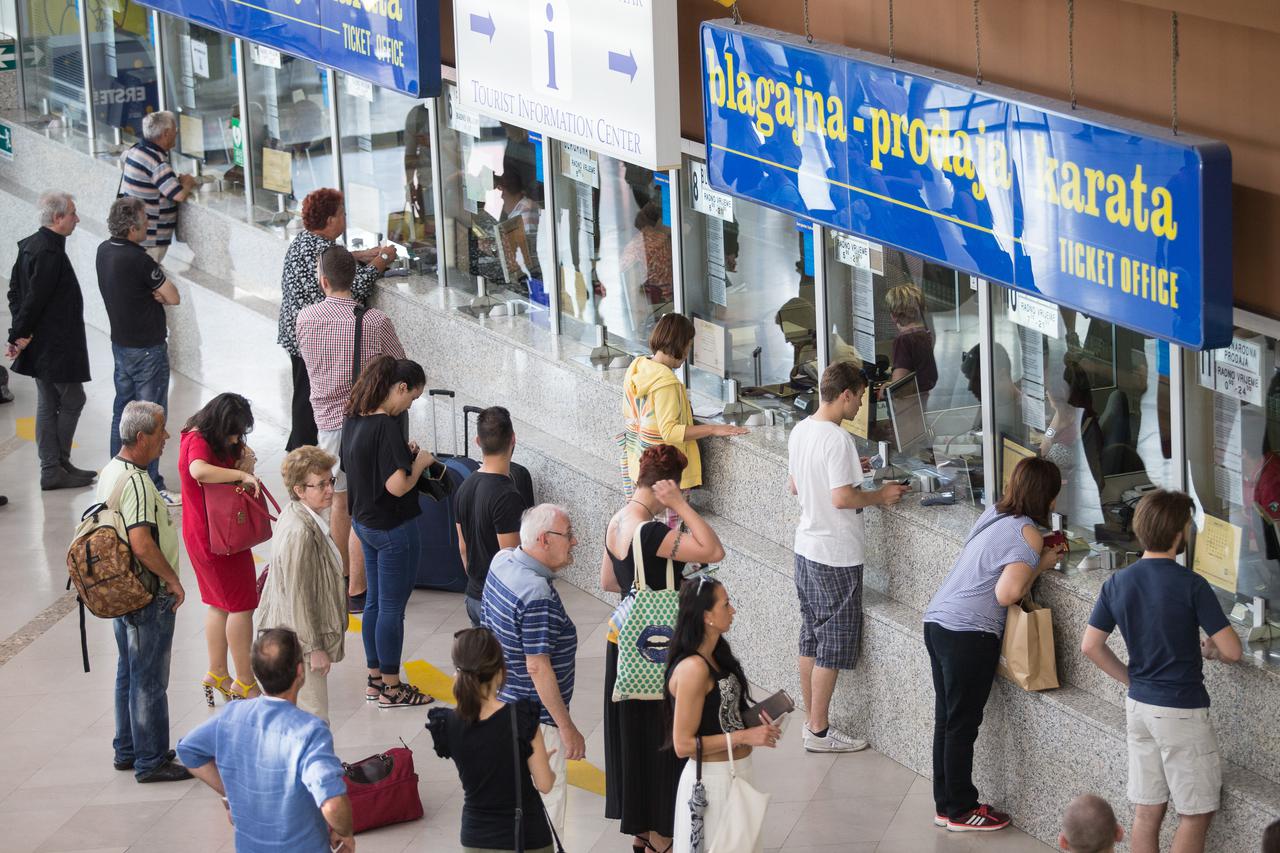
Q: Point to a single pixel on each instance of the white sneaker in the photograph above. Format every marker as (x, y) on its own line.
(835, 741)
(173, 500)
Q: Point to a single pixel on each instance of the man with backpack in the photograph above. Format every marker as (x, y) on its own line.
(144, 637)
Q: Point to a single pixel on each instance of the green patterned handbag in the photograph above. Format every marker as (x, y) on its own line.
(645, 635)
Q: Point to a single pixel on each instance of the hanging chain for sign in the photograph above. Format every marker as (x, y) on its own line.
(737, 16)
(977, 42)
(808, 33)
(891, 56)
(1071, 50)
(1173, 73)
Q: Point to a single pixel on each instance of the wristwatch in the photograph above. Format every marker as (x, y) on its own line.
(1050, 432)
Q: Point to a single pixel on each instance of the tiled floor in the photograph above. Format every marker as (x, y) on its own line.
(59, 793)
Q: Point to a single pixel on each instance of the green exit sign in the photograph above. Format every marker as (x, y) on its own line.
(8, 56)
(6, 142)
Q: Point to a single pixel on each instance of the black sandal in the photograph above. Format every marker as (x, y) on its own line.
(374, 682)
(403, 696)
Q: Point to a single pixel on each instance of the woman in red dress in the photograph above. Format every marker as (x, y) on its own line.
(213, 450)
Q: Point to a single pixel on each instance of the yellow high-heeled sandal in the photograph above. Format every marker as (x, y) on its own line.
(243, 692)
(215, 685)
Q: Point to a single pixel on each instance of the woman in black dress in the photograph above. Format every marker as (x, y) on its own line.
(642, 775)
(477, 736)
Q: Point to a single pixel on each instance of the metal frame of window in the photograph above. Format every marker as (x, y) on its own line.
(335, 127)
(820, 281)
(675, 197)
(551, 286)
(437, 192)
(157, 34)
(246, 144)
(86, 69)
(19, 48)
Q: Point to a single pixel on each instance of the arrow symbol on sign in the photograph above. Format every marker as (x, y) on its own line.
(483, 24)
(33, 55)
(623, 63)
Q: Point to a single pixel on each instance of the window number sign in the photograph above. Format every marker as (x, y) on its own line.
(579, 164)
(706, 200)
(858, 253)
(1237, 371)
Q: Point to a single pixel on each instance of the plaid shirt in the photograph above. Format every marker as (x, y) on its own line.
(300, 287)
(326, 338)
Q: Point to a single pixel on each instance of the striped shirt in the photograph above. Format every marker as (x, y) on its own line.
(966, 601)
(326, 338)
(148, 176)
(140, 504)
(522, 608)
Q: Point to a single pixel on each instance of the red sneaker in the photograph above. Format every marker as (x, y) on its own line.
(982, 819)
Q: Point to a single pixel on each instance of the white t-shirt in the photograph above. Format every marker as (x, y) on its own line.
(822, 456)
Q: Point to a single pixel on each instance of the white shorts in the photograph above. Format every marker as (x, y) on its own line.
(1173, 755)
(330, 441)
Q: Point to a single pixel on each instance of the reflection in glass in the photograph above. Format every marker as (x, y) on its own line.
(123, 65)
(289, 130)
(1094, 399)
(201, 86)
(53, 70)
(386, 164)
(492, 209)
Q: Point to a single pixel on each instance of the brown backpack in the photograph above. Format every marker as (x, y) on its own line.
(109, 581)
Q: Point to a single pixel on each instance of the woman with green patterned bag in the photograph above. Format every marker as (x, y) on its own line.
(642, 775)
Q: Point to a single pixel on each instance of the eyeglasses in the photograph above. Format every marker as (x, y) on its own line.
(320, 485)
(568, 534)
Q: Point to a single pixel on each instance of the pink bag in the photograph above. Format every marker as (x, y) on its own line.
(237, 520)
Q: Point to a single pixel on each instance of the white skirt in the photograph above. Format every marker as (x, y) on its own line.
(715, 779)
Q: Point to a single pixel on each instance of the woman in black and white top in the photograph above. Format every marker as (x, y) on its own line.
(706, 697)
(477, 736)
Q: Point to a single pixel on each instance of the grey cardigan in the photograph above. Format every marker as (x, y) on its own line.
(305, 590)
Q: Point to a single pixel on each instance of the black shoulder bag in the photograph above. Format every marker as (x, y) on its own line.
(519, 816)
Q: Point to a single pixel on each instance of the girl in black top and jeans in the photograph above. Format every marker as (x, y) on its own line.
(707, 694)
(477, 736)
(383, 468)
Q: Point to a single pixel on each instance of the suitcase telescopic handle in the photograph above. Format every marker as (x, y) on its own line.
(440, 392)
(467, 412)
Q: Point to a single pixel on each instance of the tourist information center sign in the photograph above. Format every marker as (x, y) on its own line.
(600, 74)
(1121, 220)
(392, 43)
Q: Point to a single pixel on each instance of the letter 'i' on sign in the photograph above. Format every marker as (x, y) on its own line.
(551, 49)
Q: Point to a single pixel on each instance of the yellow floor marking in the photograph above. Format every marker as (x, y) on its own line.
(430, 679)
(26, 430)
(353, 624)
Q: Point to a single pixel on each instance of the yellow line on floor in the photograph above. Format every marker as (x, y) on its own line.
(26, 429)
(353, 624)
(430, 679)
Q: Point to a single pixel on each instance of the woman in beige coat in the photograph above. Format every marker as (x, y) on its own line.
(305, 589)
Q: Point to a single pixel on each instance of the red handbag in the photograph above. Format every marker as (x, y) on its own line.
(237, 520)
(383, 789)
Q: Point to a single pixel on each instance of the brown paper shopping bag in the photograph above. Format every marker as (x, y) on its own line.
(1027, 657)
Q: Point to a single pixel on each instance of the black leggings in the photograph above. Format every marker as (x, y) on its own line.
(303, 418)
(964, 666)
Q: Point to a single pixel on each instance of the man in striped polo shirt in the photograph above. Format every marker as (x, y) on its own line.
(539, 641)
(148, 176)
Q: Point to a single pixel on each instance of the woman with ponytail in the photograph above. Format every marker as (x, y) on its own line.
(383, 468)
(477, 736)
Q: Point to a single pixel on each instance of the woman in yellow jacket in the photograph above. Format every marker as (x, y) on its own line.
(656, 406)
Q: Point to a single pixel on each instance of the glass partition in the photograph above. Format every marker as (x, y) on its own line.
(1091, 397)
(614, 229)
(53, 69)
(493, 209)
(202, 89)
(123, 63)
(290, 131)
(1233, 438)
(386, 165)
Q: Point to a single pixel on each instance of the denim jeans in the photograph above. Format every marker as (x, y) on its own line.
(58, 406)
(475, 610)
(142, 373)
(144, 639)
(391, 567)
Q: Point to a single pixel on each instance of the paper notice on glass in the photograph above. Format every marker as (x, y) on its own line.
(461, 119)
(358, 88)
(579, 164)
(858, 253)
(710, 347)
(1034, 411)
(277, 170)
(191, 135)
(1237, 371)
(717, 284)
(364, 207)
(476, 186)
(265, 56)
(586, 207)
(1032, 347)
(1218, 552)
(1034, 314)
(1229, 486)
(1226, 428)
(200, 58)
(705, 199)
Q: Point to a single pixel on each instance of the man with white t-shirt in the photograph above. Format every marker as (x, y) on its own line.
(825, 473)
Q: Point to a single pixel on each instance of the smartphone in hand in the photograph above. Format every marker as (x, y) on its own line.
(775, 707)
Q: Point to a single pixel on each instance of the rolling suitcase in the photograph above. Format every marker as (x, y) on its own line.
(439, 563)
(519, 474)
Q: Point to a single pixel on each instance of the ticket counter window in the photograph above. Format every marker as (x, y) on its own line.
(913, 327)
(201, 85)
(53, 70)
(750, 289)
(1093, 398)
(122, 61)
(616, 265)
(1233, 460)
(493, 210)
(386, 164)
(289, 131)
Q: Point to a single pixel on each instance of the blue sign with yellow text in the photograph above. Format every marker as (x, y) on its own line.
(392, 43)
(1121, 220)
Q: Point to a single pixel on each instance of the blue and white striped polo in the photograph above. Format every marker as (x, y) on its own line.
(148, 176)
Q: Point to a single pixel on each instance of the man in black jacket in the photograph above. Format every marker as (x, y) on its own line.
(48, 340)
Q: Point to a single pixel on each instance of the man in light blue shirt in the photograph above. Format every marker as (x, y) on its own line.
(273, 763)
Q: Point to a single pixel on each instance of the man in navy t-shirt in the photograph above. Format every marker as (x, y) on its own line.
(1160, 608)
